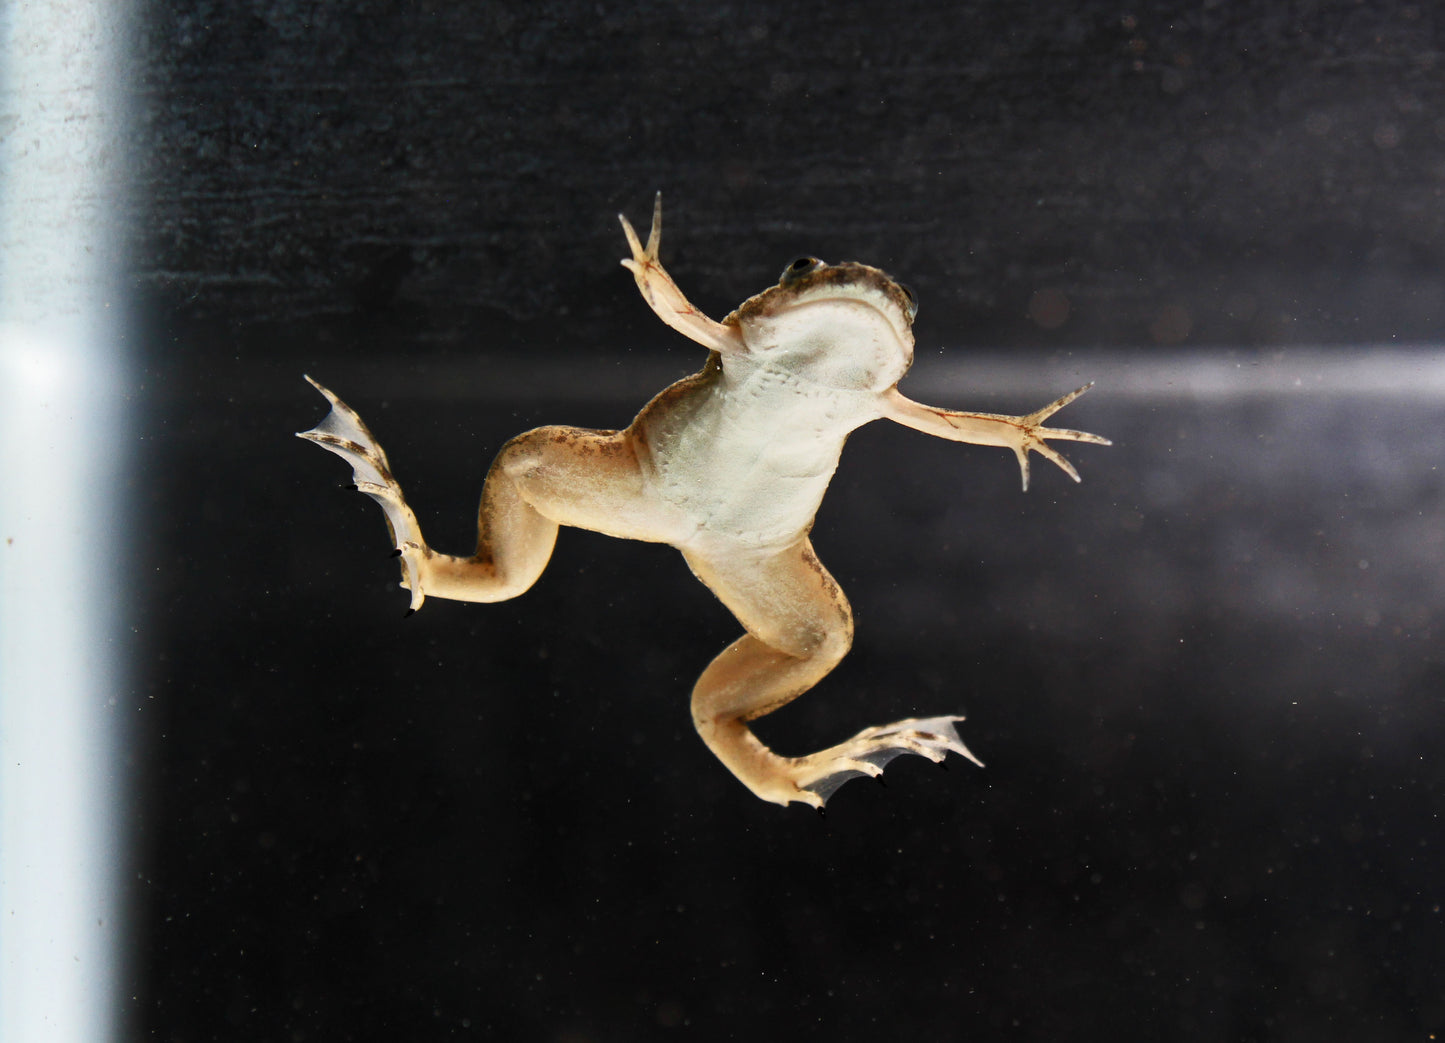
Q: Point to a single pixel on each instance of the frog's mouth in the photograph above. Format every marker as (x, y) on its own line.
(840, 328)
(849, 281)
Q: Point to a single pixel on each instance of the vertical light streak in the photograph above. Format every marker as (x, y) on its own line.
(64, 438)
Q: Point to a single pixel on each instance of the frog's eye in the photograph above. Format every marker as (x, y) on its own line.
(799, 268)
(912, 301)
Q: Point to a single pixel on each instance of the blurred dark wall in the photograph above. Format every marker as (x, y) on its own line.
(1207, 681)
(1055, 172)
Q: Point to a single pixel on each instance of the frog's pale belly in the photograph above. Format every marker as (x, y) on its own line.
(747, 453)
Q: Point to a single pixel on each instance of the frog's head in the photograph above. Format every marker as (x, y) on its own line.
(843, 325)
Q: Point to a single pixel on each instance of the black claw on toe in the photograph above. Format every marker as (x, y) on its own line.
(408, 613)
(879, 779)
(395, 554)
(347, 488)
(822, 811)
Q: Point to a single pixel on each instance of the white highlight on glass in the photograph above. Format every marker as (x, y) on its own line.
(63, 520)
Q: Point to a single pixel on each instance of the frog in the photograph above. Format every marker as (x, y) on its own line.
(729, 466)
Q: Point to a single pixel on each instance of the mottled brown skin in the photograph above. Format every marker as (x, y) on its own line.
(728, 466)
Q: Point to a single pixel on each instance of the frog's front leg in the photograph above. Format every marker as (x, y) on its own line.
(1022, 434)
(544, 478)
(799, 627)
(663, 296)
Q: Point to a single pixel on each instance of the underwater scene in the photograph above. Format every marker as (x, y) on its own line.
(839, 706)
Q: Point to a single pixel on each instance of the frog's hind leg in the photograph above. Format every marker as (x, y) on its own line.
(540, 479)
(799, 627)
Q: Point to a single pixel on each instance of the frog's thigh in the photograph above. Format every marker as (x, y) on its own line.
(573, 476)
(541, 479)
(799, 626)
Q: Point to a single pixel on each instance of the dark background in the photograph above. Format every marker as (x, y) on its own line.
(1207, 682)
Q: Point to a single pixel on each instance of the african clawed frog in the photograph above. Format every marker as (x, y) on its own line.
(729, 466)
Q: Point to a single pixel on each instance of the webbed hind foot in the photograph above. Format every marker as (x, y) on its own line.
(819, 775)
(344, 433)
